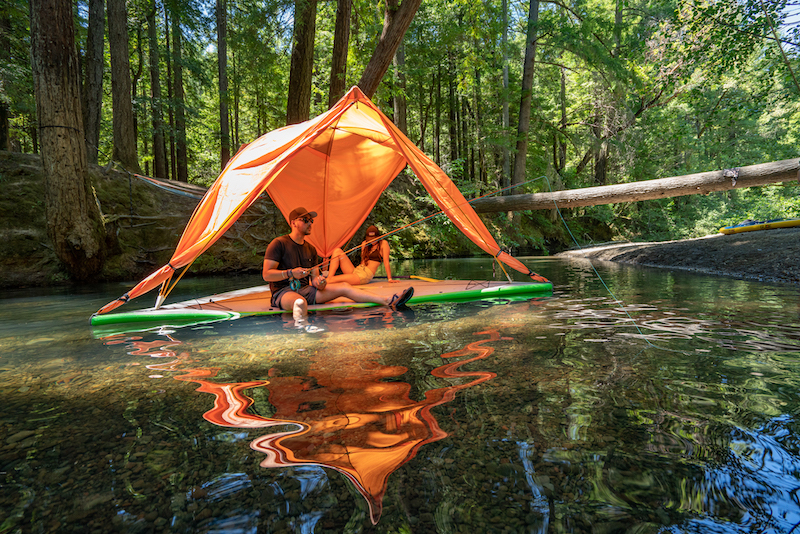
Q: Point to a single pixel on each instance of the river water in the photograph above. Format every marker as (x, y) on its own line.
(630, 400)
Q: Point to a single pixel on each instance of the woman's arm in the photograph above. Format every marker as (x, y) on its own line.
(385, 255)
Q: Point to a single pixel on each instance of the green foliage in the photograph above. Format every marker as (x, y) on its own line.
(641, 88)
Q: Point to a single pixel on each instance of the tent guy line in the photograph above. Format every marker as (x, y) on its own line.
(327, 261)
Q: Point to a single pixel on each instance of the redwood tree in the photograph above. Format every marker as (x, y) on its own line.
(527, 94)
(156, 108)
(95, 62)
(222, 60)
(123, 122)
(298, 106)
(74, 224)
(341, 39)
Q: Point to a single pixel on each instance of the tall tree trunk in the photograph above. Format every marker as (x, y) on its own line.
(95, 63)
(437, 123)
(453, 107)
(236, 95)
(400, 106)
(74, 224)
(222, 59)
(298, 106)
(135, 77)
(159, 149)
(506, 178)
(527, 94)
(5, 58)
(561, 162)
(341, 41)
(482, 178)
(170, 86)
(181, 155)
(123, 126)
(396, 21)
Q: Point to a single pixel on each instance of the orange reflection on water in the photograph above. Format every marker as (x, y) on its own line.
(345, 417)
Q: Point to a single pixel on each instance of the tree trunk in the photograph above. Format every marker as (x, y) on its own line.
(135, 77)
(395, 23)
(561, 135)
(298, 106)
(222, 59)
(453, 116)
(95, 61)
(123, 125)
(74, 224)
(181, 153)
(437, 124)
(341, 40)
(170, 85)
(400, 104)
(482, 178)
(159, 148)
(506, 179)
(5, 58)
(692, 184)
(527, 94)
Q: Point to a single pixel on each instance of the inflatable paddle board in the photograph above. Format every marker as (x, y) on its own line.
(256, 301)
(751, 226)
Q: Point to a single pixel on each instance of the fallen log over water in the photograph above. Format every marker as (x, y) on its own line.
(692, 184)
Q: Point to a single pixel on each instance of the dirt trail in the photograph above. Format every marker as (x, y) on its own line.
(766, 256)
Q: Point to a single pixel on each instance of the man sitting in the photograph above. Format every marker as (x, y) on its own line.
(291, 268)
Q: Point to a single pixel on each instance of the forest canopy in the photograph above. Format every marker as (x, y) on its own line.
(589, 92)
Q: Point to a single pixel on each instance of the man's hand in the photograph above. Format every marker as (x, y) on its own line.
(319, 282)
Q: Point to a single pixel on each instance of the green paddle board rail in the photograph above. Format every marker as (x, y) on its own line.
(151, 319)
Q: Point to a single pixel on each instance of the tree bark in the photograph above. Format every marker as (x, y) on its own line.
(396, 21)
(123, 126)
(298, 106)
(400, 105)
(692, 184)
(74, 224)
(5, 57)
(453, 103)
(527, 94)
(95, 62)
(171, 107)
(437, 124)
(156, 110)
(341, 41)
(506, 179)
(181, 152)
(222, 60)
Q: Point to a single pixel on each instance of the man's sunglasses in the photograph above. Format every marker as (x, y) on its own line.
(307, 220)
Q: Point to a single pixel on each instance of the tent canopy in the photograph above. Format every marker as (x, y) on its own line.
(336, 164)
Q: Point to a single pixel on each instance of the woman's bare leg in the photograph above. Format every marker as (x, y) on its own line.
(340, 260)
(352, 279)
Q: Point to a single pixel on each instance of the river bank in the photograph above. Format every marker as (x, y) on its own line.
(765, 256)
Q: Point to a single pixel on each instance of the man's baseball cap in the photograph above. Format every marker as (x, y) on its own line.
(299, 212)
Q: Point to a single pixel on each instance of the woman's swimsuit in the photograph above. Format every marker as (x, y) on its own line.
(363, 273)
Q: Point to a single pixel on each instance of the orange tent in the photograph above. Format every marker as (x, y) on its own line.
(336, 164)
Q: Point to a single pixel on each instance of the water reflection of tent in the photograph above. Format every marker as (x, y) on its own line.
(336, 164)
(352, 418)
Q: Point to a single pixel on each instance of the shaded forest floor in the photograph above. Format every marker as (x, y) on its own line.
(765, 256)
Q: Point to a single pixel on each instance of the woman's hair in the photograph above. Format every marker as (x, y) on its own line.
(366, 249)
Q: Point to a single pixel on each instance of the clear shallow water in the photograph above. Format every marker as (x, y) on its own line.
(673, 410)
